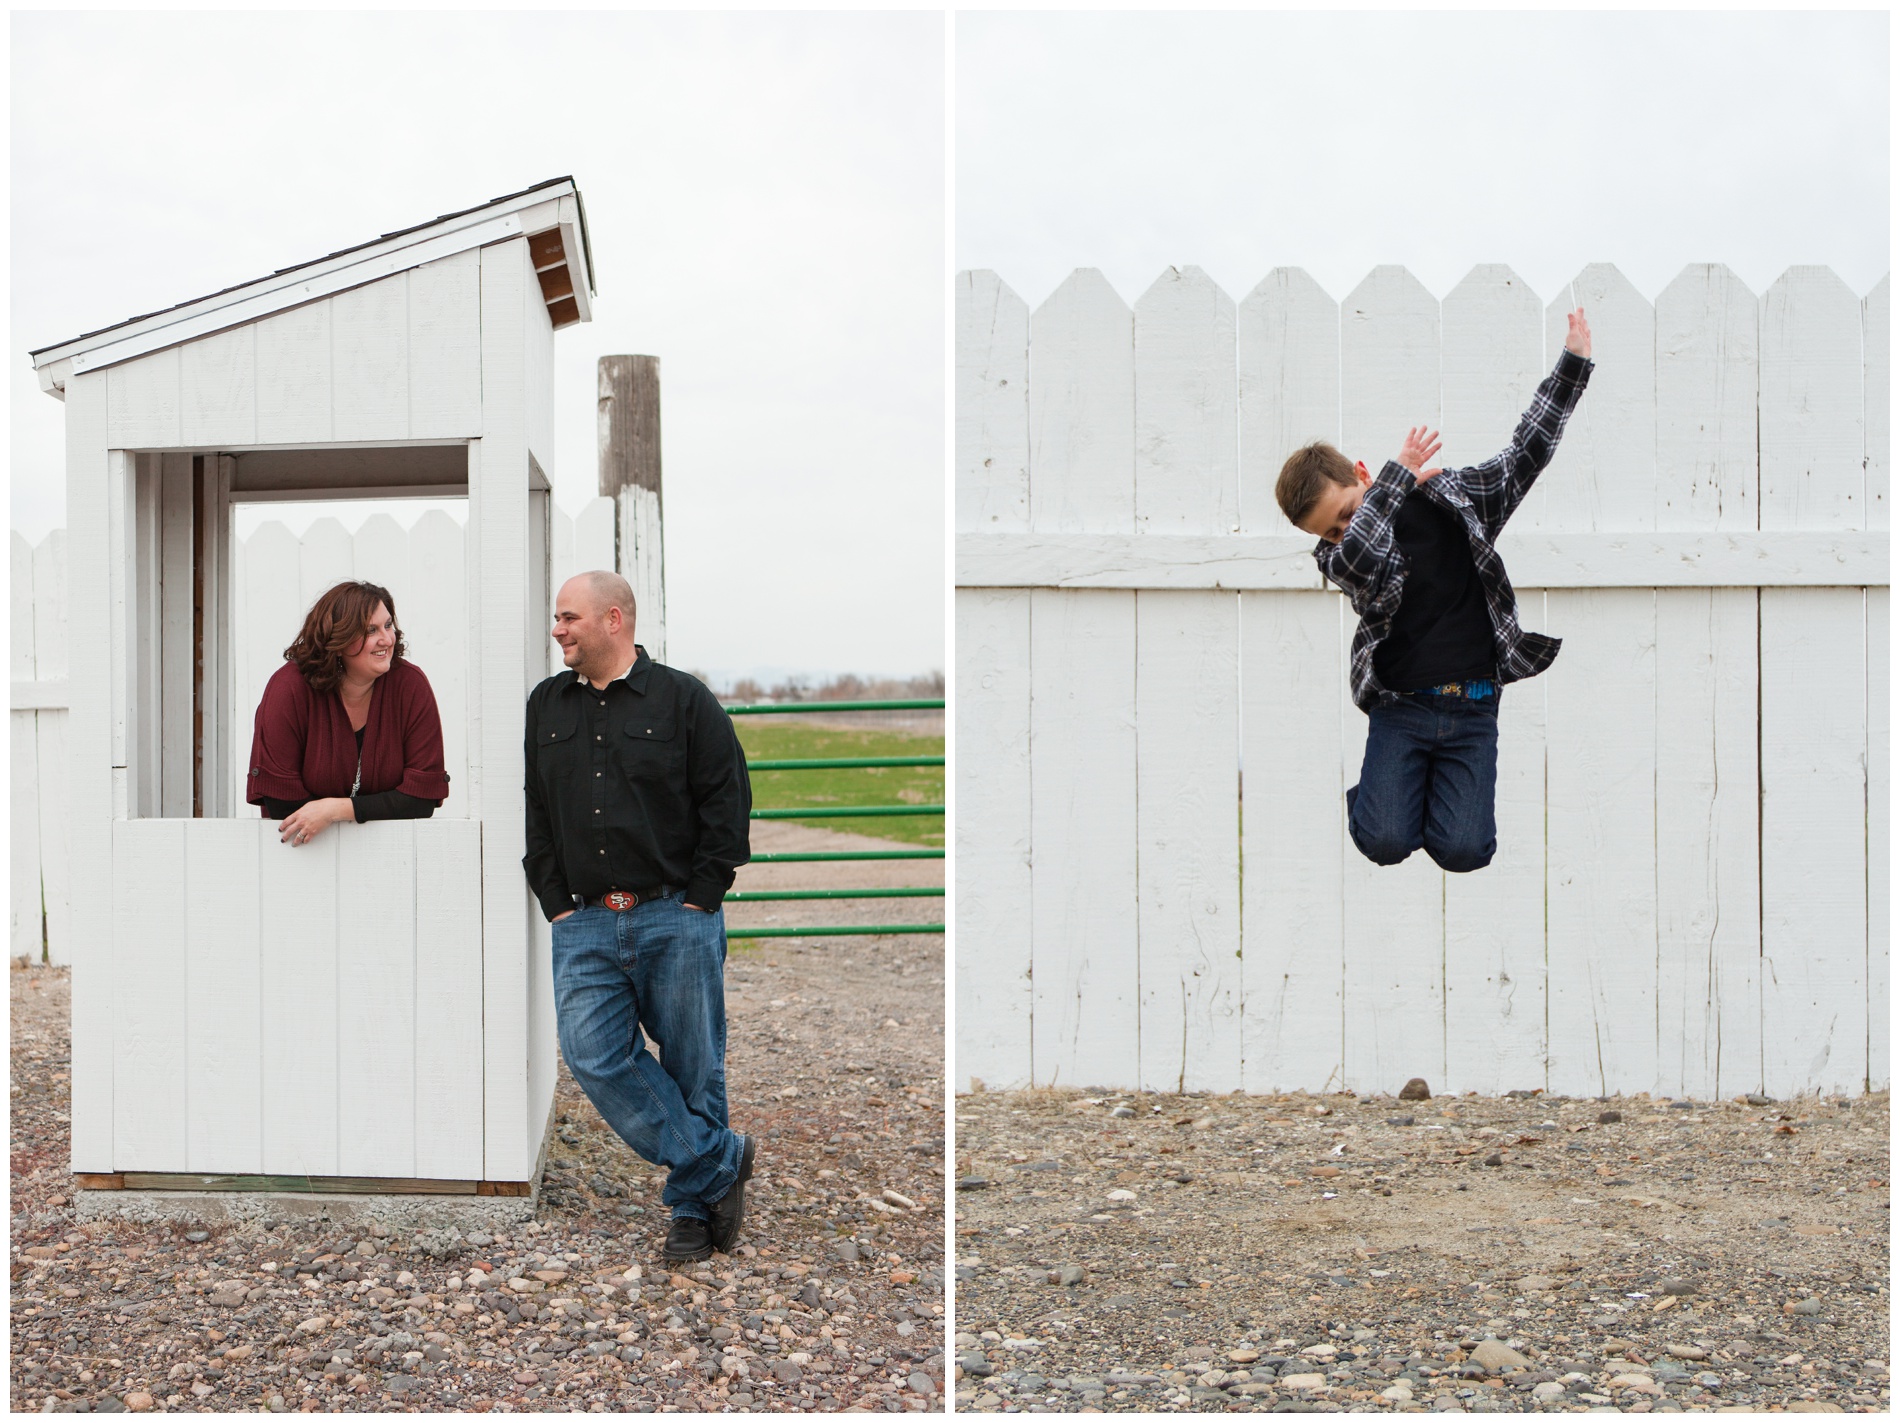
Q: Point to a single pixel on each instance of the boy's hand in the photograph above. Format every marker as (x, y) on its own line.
(1578, 341)
(1420, 445)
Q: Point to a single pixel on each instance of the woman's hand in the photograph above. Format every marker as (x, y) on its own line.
(308, 820)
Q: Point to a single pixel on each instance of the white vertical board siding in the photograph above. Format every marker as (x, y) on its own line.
(1187, 723)
(445, 348)
(1604, 473)
(1394, 998)
(498, 495)
(1492, 325)
(1708, 386)
(224, 926)
(448, 998)
(1876, 311)
(142, 401)
(369, 354)
(1287, 385)
(269, 610)
(1083, 923)
(25, 926)
(1813, 440)
(1082, 409)
(49, 660)
(293, 377)
(994, 815)
(1879, 837)
(326, 556)
(992, 404)
(436, 625)
(219, 389)
(593, 536)
(1186, 480)
(1293, 822)
(1813, 825)
(298, 998)
(90, 469)
(149, 1023)
(376, 997)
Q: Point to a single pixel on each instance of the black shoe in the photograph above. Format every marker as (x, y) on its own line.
(728, 1212)
(687, 1240)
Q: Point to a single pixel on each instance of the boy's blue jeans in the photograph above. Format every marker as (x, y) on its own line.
(1430, 779)
(658, 966)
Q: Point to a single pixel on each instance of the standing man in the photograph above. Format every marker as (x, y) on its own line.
(638, 813)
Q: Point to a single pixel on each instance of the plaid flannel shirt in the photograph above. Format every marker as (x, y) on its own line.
(1367, 566)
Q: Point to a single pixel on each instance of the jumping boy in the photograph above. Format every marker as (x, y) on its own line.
(1416, 552)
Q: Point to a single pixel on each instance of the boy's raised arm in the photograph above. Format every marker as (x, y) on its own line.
(1499, 485)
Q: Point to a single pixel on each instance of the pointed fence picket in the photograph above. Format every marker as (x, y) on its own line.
(1155, 887)
(278, 576)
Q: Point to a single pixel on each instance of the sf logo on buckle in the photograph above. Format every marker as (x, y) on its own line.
(620, 899)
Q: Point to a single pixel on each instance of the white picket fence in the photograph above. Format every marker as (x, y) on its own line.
(1155, 888)
(278, 575)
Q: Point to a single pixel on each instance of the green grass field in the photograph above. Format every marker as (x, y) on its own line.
(871, 785)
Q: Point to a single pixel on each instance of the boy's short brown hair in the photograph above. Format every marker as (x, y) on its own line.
(1305, 475)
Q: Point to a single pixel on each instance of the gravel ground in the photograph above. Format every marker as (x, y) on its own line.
(1142, 1253)
(833, 1300)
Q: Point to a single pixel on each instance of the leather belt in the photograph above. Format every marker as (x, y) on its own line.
(620, 900)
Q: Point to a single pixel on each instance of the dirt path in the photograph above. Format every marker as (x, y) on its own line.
(834, 1299)
(1329, 1254)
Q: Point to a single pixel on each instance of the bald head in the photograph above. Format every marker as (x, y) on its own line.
(593, 623)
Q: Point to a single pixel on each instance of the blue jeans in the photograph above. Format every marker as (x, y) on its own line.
(1430, 779)
(658, 966)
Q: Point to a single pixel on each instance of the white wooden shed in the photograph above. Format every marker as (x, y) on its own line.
(372, 1009)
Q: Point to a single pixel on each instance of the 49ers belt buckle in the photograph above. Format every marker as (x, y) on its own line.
(620, 899)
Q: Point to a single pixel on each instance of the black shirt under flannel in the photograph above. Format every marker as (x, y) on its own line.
(634, 785)
(1367, 566)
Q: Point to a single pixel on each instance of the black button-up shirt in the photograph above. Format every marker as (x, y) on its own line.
(634, 785)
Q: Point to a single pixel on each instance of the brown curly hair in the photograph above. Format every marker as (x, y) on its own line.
(339, 620)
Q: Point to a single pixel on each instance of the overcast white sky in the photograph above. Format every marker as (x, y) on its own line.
(765, 199)
(1336, 142)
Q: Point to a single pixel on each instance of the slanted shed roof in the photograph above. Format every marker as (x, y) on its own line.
(560, 249)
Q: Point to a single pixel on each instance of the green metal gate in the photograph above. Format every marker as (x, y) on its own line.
(834, 763)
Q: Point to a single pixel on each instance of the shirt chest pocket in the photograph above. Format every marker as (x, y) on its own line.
(650, 750)
(555, 748)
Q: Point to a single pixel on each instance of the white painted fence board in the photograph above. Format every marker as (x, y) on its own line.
(1287, 385)
(448, 995)
(25, 927)
(143, 402)
(1493, 357)
(1813, 439)
(1394, 993)
(1813, 816)
(1879, 837)
(270, 611)
(149, 1023)
(294, 390)
(1604, 473)
(1083, 927)
(376, 911)
(991, 940)
(87, 770)
(218, 381)
(1082, 409)
(593, 536)
(225, 925)
(435, 622)
(1388, 364)
(298, 884)
(643, 564)
(1186, 473)
(992, 404)
(326, 556)
(1876, 310)
(1291, 749)
(1495, 983)
(1708, 387)
(1707, 913)
(1535, 560)
(1187, 729)
(1600, 696)
(369, 352)
(445, 348)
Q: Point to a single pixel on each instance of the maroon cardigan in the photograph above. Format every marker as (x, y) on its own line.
(303, 748)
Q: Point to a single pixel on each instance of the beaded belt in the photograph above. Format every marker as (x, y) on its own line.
(1473, 690)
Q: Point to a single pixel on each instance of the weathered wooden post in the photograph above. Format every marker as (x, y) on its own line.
(371, 1015)
(629, 427)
